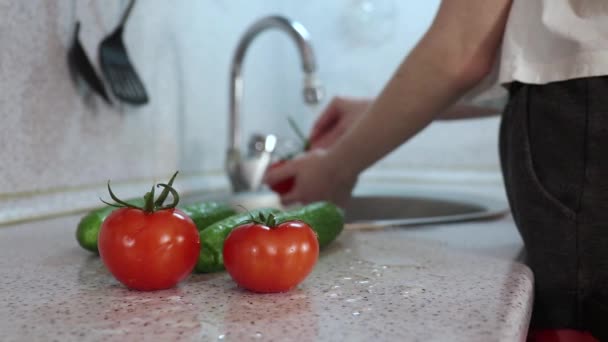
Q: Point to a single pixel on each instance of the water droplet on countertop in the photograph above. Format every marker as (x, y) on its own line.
(347, 278)
(299, 296)
(221, 337)
(408, 291)
(437, 275)
(258, 335)
(376, 273)
(356, 313)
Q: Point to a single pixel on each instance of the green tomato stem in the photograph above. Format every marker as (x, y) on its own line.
(163, 195)
(298, 131)
(149, 201)
(169, 189)
(150, 205)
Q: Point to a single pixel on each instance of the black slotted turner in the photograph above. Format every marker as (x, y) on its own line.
(80, 66)
(117, 67)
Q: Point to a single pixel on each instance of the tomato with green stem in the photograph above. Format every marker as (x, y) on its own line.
(263, 256)
(286, 185)
(151, 247)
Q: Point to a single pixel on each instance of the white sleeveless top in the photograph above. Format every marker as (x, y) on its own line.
(554, 40)
(547, 41)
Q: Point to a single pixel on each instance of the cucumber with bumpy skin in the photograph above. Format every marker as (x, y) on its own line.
(211, 257)
(326, 219)
(207, 213)
(90, 224)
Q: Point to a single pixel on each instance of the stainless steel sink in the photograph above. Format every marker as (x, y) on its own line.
(395, 206)
(418, 208)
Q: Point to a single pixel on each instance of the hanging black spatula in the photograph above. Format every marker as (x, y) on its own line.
(80, 66)
(118, 69)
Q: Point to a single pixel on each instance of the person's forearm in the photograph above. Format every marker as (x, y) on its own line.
(458, 111)
(419, 90)
(454, 55)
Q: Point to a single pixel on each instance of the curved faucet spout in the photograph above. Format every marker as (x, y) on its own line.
(240, 174)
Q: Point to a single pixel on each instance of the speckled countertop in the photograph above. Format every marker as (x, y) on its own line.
(416, 284)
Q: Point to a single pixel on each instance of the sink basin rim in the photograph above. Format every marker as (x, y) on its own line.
(491, 207)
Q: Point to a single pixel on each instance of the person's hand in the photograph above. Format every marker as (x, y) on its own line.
(337, 117)
(317, 176)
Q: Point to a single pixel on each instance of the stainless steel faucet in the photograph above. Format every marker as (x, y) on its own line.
(246, 173)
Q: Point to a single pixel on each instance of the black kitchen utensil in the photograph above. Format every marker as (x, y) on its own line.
(80, 66)
(118, 69)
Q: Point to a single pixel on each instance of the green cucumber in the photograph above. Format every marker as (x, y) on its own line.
(203, 214)
(90, 224)
(324, 218)
(211, 257)
(207, 213)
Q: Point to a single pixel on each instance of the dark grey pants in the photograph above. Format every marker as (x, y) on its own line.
(554, 154)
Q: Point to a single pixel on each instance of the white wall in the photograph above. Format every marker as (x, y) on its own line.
(52, 137)
(55, 144)
(57, 149)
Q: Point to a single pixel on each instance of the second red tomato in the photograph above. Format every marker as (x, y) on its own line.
(271, 259)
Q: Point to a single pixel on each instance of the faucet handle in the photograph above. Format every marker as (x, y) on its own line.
(262, 143)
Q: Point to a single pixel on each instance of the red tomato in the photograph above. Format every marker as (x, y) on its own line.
(283, 186)
(264, 259)
(149, 251)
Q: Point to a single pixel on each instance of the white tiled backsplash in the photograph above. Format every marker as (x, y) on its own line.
(55, 143)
